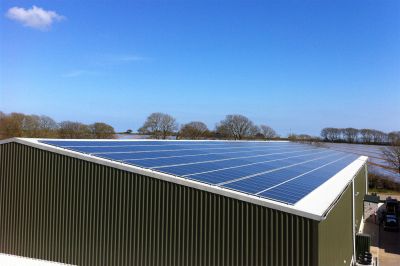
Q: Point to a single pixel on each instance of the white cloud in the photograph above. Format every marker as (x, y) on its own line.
(35, 17)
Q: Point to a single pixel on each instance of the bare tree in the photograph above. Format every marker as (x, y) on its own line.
(255, 132)
(21, 125)
(379, 137)
(350, 134)
(31, 126)
(394, 137)
(48, 127)
(268, 132)
(11, 125)
(236, 127)
(336, 134)
(74, 130)
(194, 130)
(366, 135)
(392, 155)
(47, 123)
(331, 134)
(159, 125)
(325, 134)
(342, 135)
(102, 131)
(3, 119)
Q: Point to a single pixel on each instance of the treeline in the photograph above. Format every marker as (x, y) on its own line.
(303, 138)
(237, 127)
(157, 125)
(379, 182)
(41, 126)
(363, 136)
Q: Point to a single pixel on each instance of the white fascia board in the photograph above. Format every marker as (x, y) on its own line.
(321, 200)
(14, 260)
(300, 209)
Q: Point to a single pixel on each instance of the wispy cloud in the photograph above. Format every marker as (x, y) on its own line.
(103, 63)
(112, 59)
(35, 17)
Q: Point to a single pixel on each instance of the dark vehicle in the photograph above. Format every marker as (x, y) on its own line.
(391, 206)
(391, 223)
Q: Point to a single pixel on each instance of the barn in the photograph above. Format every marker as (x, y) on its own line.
(155, 202)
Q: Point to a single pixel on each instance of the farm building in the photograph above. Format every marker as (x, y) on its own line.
(146, 202)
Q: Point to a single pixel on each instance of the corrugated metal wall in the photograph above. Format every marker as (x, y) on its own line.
(64, 209)
(335, 233)
(360, 191)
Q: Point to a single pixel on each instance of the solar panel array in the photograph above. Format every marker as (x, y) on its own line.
(280, 171)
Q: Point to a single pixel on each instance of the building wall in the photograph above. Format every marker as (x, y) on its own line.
(63, 209)
(360, 191)
(335, 233)
(335, 239)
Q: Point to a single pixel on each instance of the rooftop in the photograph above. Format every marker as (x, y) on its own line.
(297, 178)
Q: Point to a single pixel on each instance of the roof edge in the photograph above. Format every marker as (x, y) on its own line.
(326, 200)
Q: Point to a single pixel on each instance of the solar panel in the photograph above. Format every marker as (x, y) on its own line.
(280, 171)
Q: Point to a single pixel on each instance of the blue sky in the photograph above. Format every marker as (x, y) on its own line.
(295, 65)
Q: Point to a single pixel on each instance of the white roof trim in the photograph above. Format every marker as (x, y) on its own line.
(314, 206)
(320, 200)
(13, 260)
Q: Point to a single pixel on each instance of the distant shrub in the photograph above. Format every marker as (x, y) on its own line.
(377, 181)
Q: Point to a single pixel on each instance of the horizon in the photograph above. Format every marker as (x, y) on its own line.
(295, 66)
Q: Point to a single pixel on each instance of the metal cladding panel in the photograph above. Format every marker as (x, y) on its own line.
(360, 191)
(335, 242)
(64, 209)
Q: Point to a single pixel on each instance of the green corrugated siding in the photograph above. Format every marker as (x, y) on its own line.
(59, 208)
(335, 240)
(359, 190)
